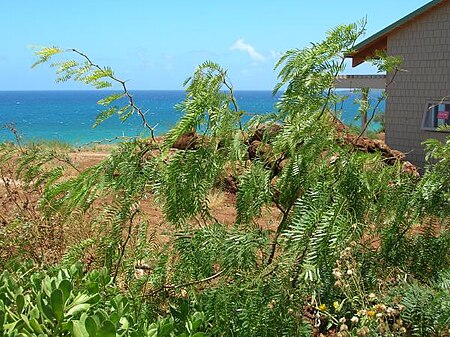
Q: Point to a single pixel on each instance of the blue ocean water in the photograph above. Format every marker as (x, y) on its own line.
(68, 116)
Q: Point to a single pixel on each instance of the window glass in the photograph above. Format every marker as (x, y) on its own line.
(436, 115)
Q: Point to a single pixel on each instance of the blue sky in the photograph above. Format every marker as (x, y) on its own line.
(157, 44)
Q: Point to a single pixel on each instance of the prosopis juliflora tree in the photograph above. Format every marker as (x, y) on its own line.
(332, 200)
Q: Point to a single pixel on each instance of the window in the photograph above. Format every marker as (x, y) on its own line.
(436, 114)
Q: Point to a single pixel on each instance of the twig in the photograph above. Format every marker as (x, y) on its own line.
(184, 285)
(125, 92)
(331, 87)
(280, 229)
(377, 105)
(66, 161)
(370, 119)
(233, 100)
(338, 69)
(11, 127)
(106, 140)
(124, 245)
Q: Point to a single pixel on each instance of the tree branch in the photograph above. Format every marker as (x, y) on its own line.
(184, 285)
(125, 92)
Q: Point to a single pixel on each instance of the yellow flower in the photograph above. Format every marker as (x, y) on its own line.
(336, 305)
(323, 307)
(371, 313)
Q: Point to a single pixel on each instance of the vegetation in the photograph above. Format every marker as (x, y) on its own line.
(357, 246)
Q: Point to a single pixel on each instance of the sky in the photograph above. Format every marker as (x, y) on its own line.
(156, 45)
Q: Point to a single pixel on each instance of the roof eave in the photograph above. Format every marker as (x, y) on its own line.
(366, 47)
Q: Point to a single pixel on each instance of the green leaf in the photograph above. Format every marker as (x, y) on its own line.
(101, 314)
(124, 324)
(78, 308)
(10, 327)
(107, 329)
(46, 285)
(66, 287)
(91, 326)
(108, 100)
(78, 329)
(197, 320)
(45, 54)
(152, 330)
(104, 115)
(44, 308)
(166, 329)
(80, 299)
(20, 302)
(34, 313)
(56, 300)
(125, 112)
(199, 334)
(254, 192)
(114, 317)
(36, 326)
(26, 322)
(2, 319)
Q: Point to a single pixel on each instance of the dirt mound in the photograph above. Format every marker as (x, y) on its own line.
(187, 141)
(259, 146)
(390, 156)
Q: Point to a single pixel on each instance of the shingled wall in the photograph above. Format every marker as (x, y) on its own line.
(424, 44)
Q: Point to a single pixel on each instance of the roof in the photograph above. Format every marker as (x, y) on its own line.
(378, 41)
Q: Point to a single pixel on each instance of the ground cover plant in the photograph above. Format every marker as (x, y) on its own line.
(357, 245)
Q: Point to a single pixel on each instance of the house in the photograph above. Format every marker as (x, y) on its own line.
(419, 97)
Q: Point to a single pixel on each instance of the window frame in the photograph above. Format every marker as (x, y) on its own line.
(428, 106)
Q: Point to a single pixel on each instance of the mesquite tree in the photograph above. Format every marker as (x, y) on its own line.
(344, 215)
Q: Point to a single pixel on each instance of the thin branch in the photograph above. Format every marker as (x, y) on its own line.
(184, 285)
(66, 161)
(106, 140)
(280, 229)
(233, 99)
(125, 92)
(370, 119)
(331, 87)
(12, 127)
(124, 245)
(338, 69)
(280, 208)
(376, 106)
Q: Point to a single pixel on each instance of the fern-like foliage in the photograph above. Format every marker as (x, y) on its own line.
(427, 309)
(308, 73)
(207, 108)
(254, 193)
(435, 186)
(189, 177)
(320, 228)
(84, 70)
(77, 252)
(336, 206)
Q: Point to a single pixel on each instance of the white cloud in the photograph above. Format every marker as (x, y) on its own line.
(247, 48)
(275, 54)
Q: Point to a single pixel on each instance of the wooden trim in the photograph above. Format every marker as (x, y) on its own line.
(360, 81)
(369, 51)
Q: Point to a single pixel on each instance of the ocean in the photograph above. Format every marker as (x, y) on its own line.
(68, 116)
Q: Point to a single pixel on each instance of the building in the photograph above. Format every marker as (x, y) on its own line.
(419, 97)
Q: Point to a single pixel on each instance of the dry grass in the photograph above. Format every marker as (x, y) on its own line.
(36, 237)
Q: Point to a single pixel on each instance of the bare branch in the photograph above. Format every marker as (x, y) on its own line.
(184, 285)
